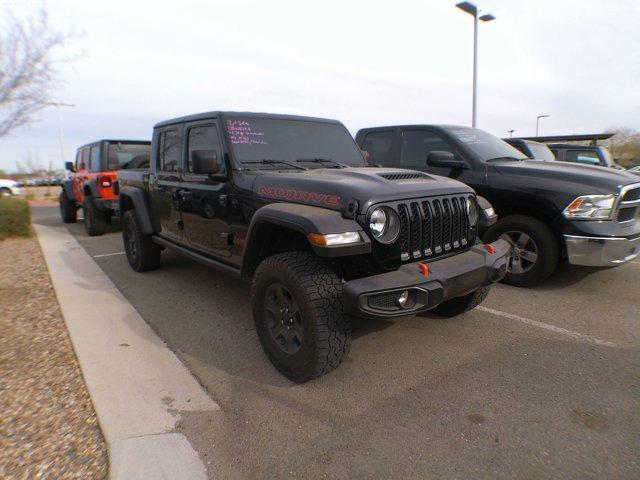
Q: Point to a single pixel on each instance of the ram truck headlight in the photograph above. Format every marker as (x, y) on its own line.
(591, 207)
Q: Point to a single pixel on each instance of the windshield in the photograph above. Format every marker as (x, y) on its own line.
(541, 152)
(485, 146)
(128, 155)
(256, 139)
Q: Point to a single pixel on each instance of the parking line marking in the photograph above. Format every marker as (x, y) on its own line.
(546, 326)
(108, 254)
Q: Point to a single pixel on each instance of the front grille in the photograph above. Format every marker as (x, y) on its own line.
(431, 227)
(629, 203)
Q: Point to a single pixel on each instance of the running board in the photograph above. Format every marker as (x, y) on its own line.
(209, 262)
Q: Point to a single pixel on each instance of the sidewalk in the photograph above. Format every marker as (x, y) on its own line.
(137, 385)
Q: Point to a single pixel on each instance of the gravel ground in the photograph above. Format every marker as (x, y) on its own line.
(48, 428)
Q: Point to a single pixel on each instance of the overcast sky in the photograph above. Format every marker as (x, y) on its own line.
(363, 62)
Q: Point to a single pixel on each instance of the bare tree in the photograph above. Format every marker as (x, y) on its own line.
(28, 69)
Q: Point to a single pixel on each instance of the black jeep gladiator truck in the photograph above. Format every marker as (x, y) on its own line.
(290, 203)
(548, 210)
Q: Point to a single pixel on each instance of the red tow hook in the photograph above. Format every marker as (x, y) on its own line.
(424, 268)
(490, 248)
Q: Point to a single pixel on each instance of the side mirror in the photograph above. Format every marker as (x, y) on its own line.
(444, 159)
(69, 166)
(205, 162)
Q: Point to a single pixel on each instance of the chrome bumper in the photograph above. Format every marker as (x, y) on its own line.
(601, 251)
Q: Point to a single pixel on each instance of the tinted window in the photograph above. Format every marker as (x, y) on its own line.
(255, 139)
(202, 138)
(169, 151)
(416, 144)
(84, 159)
(379, 146)
(588, 157)
(127, 155)
(94, 158)
(540, 151)
(486, 146)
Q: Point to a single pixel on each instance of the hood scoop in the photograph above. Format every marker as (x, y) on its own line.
(396, 176)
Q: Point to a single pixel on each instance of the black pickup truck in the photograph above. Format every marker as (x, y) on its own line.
(290, 203)
(548, 210)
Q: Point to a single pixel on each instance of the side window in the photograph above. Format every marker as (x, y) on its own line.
(169, 151)
(588, 157)
(416, 144)
(84, 159)
(78, 159)
(379, 146)
(94, 158)
(202, 139)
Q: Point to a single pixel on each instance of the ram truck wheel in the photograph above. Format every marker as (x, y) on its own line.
(300, 316)
(142, 253)
(68, 210)
(95, 220)
(459, 305)
(535, 251)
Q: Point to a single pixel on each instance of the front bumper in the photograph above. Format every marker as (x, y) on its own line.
(601, 251)
(451, 277)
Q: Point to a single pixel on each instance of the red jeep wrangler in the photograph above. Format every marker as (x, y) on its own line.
(91, 184)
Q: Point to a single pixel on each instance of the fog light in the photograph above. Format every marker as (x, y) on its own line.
(402, 299)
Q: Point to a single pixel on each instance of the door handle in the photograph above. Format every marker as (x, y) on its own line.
(185, 194)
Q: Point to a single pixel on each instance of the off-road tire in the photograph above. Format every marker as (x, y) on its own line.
(95, 220)
(459, 305)
(68, 210)
(326, 326)
(542, 235)
(142, 253)
(6, 192)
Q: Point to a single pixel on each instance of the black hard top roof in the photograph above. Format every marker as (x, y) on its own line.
(525, 140)
(572, 146)
(114, 140)
(206, 115)
(416, 125)
(592, 137)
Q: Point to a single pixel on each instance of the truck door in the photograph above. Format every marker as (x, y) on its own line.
(165, 183)
(204, 195)
(416, 144)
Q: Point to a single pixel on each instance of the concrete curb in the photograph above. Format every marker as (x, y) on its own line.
(137, 385)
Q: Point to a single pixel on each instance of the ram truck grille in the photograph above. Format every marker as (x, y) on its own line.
(629, 204)
(432, 227)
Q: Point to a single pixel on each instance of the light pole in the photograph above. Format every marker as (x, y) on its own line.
(510, 132)
(538, 122)
(472, 10)
(57, 106)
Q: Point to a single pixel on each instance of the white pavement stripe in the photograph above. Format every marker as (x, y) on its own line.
(108, 254)
(546, 326)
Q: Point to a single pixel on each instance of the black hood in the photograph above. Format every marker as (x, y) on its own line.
(335, 188)
(587, 178)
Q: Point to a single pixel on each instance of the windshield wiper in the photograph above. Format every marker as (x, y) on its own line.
(501, 159)
(322, 160)
(269, 161)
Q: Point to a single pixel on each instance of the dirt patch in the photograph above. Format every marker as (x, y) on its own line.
(48, 428)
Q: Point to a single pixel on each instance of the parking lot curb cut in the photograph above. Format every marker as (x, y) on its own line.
(137, 385)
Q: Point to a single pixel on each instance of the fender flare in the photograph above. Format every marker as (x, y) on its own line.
(140, 204)
(305, 219)
(67, 187)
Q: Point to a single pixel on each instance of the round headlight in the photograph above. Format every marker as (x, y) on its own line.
(378, 222)
(472, 212)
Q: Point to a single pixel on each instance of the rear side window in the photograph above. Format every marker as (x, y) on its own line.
(94, 158)
(84, 159)
(169, 151)
(203, 137)
(379, 146)
(416, 145)
(588, 157)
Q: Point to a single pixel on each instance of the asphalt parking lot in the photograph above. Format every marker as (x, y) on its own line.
(538, 383)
